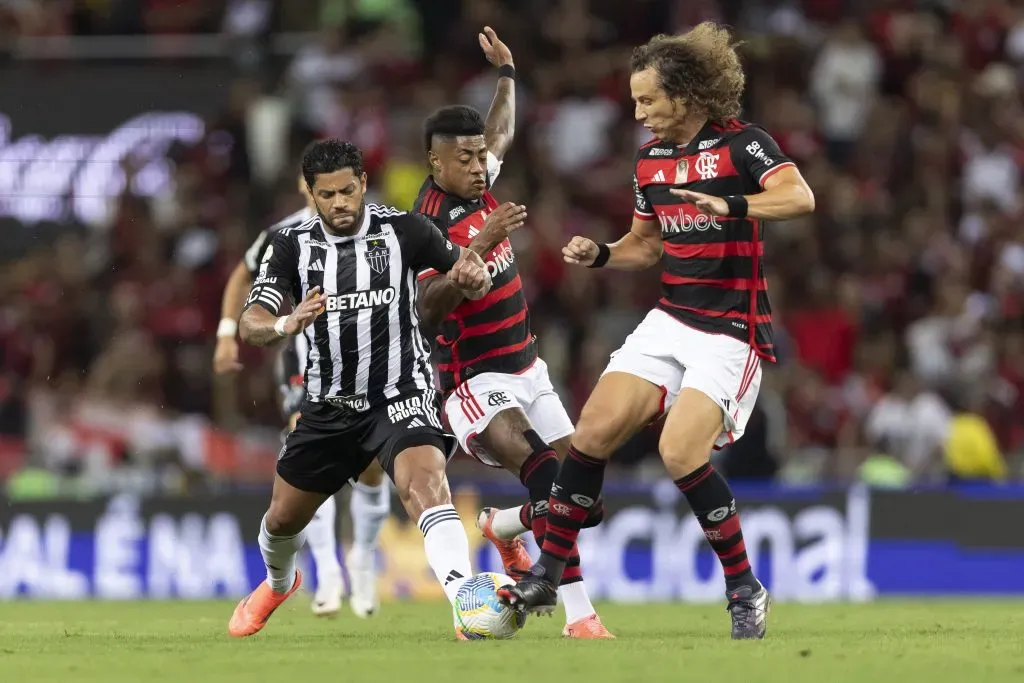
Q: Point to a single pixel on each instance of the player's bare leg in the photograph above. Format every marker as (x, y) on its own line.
(419, 476)
(691, 429)
(281, 538)
(620, 405)
(512, 441)
(369, 506)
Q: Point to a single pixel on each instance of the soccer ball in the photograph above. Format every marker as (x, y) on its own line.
(479, 612)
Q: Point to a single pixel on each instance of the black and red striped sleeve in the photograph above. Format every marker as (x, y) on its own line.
(756, 155)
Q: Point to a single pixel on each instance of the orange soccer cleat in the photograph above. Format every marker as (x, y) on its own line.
(587, 628)
(513, 553)
(254, 610)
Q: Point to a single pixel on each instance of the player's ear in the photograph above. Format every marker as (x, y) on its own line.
(434, 161)
(362, 182)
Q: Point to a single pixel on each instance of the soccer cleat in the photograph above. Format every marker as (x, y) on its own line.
(329, 593)
(749, 611)
(460, 634)
(514, 557)
(254, 610)
(587, 628)
(364, 602)
(532, 594)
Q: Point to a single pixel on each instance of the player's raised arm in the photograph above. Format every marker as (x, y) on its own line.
(501, 118)
(438, 295)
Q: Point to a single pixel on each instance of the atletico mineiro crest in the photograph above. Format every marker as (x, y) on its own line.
(378, 256)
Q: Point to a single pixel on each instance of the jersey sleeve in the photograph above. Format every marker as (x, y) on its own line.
(642, 208)
(423, 272)
(429, 252)
(276, 274)
(255, 253)
(756, 155)
(493, 169)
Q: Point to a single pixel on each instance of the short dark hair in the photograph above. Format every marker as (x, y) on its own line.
(452, 121)
(328, 156)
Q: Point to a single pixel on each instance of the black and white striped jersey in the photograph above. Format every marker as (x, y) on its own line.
(366, 348)
(254, 254)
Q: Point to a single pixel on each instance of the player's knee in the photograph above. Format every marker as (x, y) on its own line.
(685, 452)
(283, 521)
(596, 434)
(421, 481)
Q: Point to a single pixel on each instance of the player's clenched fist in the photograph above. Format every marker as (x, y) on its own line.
(505, 220)
(470, 275)
(581, 250)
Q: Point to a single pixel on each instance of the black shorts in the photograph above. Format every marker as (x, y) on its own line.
(331, 446)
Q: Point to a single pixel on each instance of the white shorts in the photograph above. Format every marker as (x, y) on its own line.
(475, 402)
(671, 355)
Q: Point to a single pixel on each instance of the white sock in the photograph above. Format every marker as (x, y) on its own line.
(322, 539)
(574, 598)
(370, 507)
(279, 557)
(447, 548)
(507, 523)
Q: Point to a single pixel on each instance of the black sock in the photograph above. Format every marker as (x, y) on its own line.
(574, 493)
(538, 474)
(713, 504)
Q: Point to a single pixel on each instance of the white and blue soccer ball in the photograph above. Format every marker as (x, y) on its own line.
(479, 612)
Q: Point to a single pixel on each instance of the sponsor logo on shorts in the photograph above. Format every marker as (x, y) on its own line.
(356, 402)
(400, 411)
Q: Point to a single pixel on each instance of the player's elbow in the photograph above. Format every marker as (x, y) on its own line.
(805, 200)
(246, 327)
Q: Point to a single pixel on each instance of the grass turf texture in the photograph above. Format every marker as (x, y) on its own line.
(147, 642)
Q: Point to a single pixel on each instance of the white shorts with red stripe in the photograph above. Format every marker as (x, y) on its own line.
(475, 402)
(671, 355)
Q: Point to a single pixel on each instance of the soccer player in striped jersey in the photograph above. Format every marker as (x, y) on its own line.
(370, 502)
(350, 273)
(703, 189)
(500, 402)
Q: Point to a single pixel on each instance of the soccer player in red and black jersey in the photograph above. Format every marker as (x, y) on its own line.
(499, 400)
(704, 187)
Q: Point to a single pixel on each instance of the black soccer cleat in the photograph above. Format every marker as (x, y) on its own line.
(749, 611)
(532, 594)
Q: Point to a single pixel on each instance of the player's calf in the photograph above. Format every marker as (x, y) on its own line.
(419, 476)
(690, 432)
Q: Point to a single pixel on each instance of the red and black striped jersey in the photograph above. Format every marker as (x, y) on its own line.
(713, 278)
(491, 334)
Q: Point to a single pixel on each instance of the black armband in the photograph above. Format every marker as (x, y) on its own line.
(507, 71)
(737, 204)
(603, 254)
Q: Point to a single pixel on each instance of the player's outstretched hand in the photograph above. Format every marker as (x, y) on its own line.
(713, 206)
(306, 312)
(505, 220)
(497, 52)
(470, 275)
(225, 356)
(581, 251)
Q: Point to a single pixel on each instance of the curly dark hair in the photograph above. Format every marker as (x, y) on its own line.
(328, 156)
(451, 122)
(700, 66)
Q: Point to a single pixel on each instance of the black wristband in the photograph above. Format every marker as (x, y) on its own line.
(507, 71)
(603, 254)
(737, 204)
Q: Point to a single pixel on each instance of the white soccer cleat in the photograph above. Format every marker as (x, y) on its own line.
(363, 572)
(329, 593)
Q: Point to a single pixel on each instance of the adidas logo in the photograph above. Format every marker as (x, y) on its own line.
(453, 575)
(415, 422)
(473, 232)
(319, 265)
(659, 177)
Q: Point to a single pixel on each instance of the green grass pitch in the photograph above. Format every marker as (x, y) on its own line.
(147, 642)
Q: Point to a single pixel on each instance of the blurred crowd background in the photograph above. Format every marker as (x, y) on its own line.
(899, 304)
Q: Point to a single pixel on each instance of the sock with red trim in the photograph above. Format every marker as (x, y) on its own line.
(713, 504)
